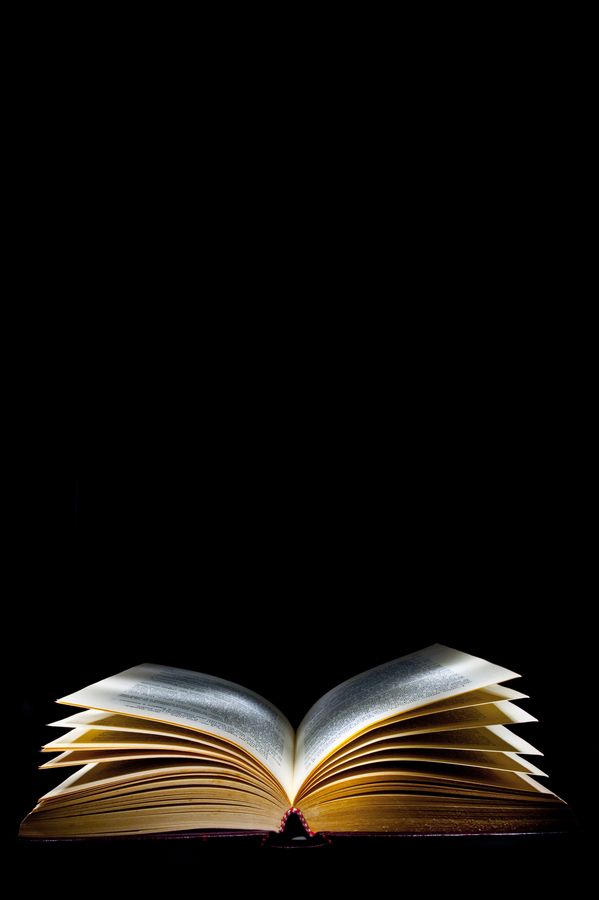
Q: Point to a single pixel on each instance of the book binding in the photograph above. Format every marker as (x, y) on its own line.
(293, 810)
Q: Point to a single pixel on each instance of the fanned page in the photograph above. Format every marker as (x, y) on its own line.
(396, 687)
(201, 702)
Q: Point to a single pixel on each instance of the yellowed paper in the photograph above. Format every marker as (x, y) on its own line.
(201, 702)
(404, 684)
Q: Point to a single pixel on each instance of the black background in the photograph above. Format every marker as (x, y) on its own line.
(338, 408)
(291, 541)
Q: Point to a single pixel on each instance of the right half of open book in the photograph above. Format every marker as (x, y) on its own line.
(422, 744)
(449, 766)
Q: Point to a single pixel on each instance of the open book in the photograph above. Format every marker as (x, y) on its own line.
(419, 744)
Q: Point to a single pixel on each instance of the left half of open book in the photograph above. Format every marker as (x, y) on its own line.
(163, 749)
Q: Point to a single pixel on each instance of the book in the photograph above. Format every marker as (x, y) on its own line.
(421, 744)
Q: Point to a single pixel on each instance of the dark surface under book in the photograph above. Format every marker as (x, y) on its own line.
(188, 845)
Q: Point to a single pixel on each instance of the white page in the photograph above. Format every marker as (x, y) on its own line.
(199, 701)
(402, 684)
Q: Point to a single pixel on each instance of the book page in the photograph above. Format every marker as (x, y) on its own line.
(201, 702)
(406, 683)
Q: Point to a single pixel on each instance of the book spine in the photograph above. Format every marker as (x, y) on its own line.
(293, 810)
